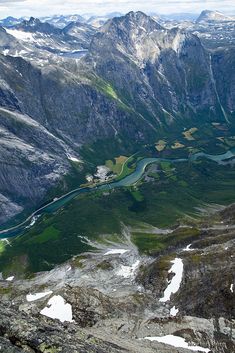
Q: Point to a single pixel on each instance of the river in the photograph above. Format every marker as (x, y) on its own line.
(126, 181)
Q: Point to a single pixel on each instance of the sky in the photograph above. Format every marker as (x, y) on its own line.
(38, 8)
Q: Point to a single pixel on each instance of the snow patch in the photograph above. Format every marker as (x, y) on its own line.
(174, 285)
(178, 342)
(188, 248)
(174, 311)
(25, 36)
(73, 159)
(5, 52)
(10, 279)
(128, 271)
(58, 309)
(116, 252)
(231, 288)
(33, 297)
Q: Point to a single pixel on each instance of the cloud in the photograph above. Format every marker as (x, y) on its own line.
(48, 7)
(10, 1)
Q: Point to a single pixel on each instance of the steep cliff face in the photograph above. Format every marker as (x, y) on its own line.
(164, 72)
(32, 159)
(223, 62)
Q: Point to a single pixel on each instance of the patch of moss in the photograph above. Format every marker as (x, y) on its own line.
(16, 266)
(106, 88)
(137, 195)
(2, 247)
(5, 290)
(78, 262)
(105, 265)
(151, 243)
(45, 348)
(49, 234)
(195, 258)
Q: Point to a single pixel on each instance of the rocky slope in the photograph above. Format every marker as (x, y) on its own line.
(116, 298)
(82, 31)
(45, 36)
(31, 159)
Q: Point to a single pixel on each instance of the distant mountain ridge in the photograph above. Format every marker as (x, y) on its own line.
(214, 16)
(61, 21)
(45, 36)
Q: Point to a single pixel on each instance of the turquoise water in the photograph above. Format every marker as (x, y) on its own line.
(127, 181)
(216, 158)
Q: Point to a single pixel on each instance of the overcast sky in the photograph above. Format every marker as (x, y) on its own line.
(39, 8)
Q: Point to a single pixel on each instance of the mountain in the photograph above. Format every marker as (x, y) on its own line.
(44, 36)
(213, 16)
(99, 21)
(62, 21)
(114, 14)
(126, 151)
(169, 71)
(114, 299)
(137, 81)
(35, 25)
(10, 21)
(82, 31)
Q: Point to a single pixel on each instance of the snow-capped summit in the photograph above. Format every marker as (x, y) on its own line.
(62, 21)
(213, 16)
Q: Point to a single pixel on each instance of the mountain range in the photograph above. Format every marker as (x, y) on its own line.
(137, 81)
(120, 132)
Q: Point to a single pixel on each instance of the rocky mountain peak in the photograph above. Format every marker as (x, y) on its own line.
(32, 22)
(139, 37)
(35, 25)
(133, 21)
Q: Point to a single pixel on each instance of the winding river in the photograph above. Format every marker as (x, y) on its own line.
(126, 181)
